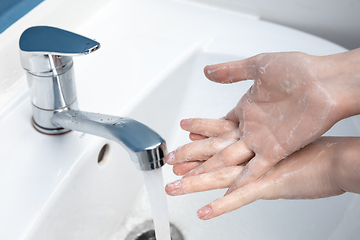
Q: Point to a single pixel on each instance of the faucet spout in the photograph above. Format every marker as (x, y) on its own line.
(146, 148)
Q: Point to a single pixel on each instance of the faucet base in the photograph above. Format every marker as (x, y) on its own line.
(49, 131)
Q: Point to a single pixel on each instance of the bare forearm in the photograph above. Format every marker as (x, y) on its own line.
(341, 74)
(346, 165)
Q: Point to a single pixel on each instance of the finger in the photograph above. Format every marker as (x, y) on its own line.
(196, 137)
(198, 150)
(207, 127)
(232, 71)
(221, 178)
(237, 199)
(232, 155)
(257, 167)
(183, 168)
(233, 134)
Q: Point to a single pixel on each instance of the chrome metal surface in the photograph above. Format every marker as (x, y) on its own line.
(39, 43)
(146, 148)
(46, 55)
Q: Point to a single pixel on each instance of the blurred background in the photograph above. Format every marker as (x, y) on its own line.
(335, 20)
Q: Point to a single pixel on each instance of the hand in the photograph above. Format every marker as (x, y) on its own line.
(326, 167)
(295, 98)
(207, 154)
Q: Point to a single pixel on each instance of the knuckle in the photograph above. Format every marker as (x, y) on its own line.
(259, 57)
(226, 126)
(222, 175)
(224, 155)
(198, 126)
(194, 122)
(258, 167)
(214, 142)
(217, 143)
(182, 153)
(179, 151)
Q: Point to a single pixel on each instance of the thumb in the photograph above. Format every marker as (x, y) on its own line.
(233, 71)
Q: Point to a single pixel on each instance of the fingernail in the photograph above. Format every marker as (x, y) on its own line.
(170, 158)
(204, 212)
(173, 187)
(185, 122)
(208, 70)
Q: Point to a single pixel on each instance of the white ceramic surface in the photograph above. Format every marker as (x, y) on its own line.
(329, 218)
(150, 68)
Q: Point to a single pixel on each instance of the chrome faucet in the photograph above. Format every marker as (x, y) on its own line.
(46, 54)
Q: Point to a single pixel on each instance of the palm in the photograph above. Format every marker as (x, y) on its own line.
(286, 108)
(278, 118)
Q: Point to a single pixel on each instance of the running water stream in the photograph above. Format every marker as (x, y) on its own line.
(155, 188)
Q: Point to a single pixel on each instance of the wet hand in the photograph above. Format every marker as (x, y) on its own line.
(327, 167)
(295, 98)
(215, 144)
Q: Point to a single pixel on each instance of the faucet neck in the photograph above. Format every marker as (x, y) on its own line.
(147, 149)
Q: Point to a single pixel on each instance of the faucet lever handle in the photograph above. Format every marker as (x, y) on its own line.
(40, 43)
(56, 41)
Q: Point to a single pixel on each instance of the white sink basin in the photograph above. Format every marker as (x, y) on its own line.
(149, 68)
(329, 218)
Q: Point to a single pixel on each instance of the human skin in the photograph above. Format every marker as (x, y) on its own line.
(327, 167)
(295, 98)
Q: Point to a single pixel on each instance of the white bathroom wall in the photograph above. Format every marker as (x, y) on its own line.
(334, 20)
(12, 10)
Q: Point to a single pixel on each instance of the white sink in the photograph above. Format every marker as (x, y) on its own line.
(330, 218)
(149, 68)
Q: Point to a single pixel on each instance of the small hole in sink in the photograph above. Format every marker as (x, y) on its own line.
(145, 231)
(103, 155)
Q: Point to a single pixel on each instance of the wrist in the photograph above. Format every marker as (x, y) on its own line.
(341, 75)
